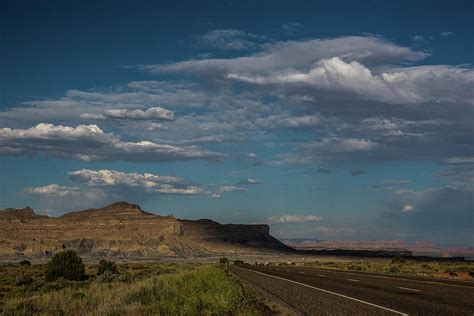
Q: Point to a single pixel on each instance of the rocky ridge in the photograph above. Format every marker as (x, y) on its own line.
(124, 230)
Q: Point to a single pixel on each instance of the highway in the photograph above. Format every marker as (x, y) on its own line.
(314, 291)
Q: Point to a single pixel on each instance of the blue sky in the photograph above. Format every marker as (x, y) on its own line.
(339, 121)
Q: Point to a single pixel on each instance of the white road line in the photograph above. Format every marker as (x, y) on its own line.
(326, 291)
(302, 272)
(321, 275)
(408, 289)
(397, 278)
(353, 280)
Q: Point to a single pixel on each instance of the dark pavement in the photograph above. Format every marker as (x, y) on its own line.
(329, 292)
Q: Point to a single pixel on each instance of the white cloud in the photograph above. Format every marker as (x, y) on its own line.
(58, 198)
(90, 143)
(280, 56)
(156, 126)
(418, 38)
(398, 86)
(147, 182)
(226, 188)
(91, 116)
(250, 181)
(53, 190)
(459, 160)
(153, 113)
(294, 219)
(341, 145)
(407, 208)
(446, 34)
(284, 120)
(360, 98)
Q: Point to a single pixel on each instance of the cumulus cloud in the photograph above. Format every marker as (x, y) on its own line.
(340, 145)
(147, 182)
(358, 98)
(285, 120)
(407, 208)
(153, 113)
(358, 87)
(294, 218)
(53, 190)
(226, 188)
(91, 143)
(279, 56)
(399, 86)
(58, 198)
(250, 181)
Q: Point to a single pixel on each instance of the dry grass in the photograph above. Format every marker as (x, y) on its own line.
(139, 289)
(450, 270)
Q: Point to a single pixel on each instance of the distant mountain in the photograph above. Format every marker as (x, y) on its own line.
(124, 230)
(419, 248)
(301, 241)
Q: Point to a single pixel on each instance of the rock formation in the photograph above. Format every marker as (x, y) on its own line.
(124, 230)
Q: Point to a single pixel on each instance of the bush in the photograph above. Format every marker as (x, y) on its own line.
(223, 260)
(394, 269)
(107, 267)
(398, 259)
(24, 281)
(67, 265)
(25, 263)
(238, 262)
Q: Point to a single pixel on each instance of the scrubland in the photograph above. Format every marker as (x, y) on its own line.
(137, 289)
(400, 266)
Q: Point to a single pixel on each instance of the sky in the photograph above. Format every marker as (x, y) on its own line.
(342, 120)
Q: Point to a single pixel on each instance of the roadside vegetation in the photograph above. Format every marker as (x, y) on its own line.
(123, 289)
(397, 265)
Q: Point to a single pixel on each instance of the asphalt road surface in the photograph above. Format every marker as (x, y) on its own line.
(327, 292)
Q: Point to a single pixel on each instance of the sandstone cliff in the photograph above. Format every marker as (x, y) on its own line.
(124, 230)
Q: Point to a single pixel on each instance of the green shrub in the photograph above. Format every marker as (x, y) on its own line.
(394, 269)
(78, 296)
(24, 281)
(238, 262)
(107, 267)
(398, 259)
(223, 260)
(66, 264)
(25, 263)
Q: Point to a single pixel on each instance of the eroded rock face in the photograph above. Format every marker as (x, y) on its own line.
(124, 230)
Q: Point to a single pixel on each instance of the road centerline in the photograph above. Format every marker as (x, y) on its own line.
(408, 289)
(329, 292)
